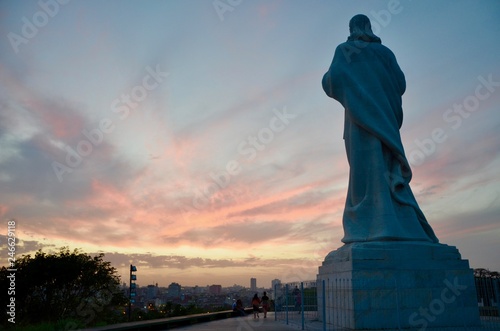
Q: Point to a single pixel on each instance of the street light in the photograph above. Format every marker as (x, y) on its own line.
(132, 288)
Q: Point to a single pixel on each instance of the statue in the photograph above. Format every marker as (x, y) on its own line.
(366, 79)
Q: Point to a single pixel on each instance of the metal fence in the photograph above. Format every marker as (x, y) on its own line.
(297, 304)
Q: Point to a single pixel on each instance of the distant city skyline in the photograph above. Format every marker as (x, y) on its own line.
(194, 140)
(175, 289)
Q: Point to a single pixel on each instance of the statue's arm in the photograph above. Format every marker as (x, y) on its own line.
(401, 80)
(327, 84)
(400, 76)
(331, 78)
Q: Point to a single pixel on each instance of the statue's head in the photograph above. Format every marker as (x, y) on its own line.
(361, 29)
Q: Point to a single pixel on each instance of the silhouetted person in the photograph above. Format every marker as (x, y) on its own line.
(298, 298)
(238, 308)
(265, 304)
(255, 305)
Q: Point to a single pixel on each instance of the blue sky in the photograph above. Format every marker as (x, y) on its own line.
(193, 138)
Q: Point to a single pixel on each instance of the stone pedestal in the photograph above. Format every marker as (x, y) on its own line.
(397, 285)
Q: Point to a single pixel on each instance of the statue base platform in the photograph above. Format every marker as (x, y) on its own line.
(397, 285)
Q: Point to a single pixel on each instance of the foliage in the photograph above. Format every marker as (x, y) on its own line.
(485, 273)
(64, 286)
(167, 310)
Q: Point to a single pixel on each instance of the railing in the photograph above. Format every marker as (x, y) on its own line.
(297, 304)
(168, 323)
(488, 296)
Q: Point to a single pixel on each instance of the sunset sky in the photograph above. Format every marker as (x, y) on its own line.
(192, 138)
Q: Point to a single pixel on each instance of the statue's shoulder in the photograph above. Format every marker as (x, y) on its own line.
(359, 50)
(349, 47)
(382, 48)
(360, 44)
(341, 46)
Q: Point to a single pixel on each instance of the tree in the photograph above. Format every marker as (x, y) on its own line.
(485, 273)
(63, 285)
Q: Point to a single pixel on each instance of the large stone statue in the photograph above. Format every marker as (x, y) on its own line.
(391, 270)
(366, 79)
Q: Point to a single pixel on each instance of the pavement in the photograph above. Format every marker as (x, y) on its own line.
(246, 323)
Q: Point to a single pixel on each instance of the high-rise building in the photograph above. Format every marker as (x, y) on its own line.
(275, 283)
(174, 290)
(152, 292)
(275, 287)
(215, 289)
(253, 284)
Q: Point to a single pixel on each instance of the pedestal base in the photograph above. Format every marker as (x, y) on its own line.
(397, 285)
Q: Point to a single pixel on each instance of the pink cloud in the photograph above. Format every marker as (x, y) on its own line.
(265, 9)
(108, 197)
(3, 210)
(59, 117)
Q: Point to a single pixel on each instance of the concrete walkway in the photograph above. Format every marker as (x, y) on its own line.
(247, 323)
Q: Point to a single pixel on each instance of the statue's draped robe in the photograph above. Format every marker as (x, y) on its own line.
(367, 80)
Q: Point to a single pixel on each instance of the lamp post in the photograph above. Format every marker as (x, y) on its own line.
(132, 288)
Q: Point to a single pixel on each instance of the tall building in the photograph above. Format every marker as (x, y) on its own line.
(253, 284)
(152, 292)
(275, 283)
(215, 289)
(174, 290)
(275, 287)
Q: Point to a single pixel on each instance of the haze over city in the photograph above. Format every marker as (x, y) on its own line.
(193, 139)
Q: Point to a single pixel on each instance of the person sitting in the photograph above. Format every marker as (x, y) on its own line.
(238, 308)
